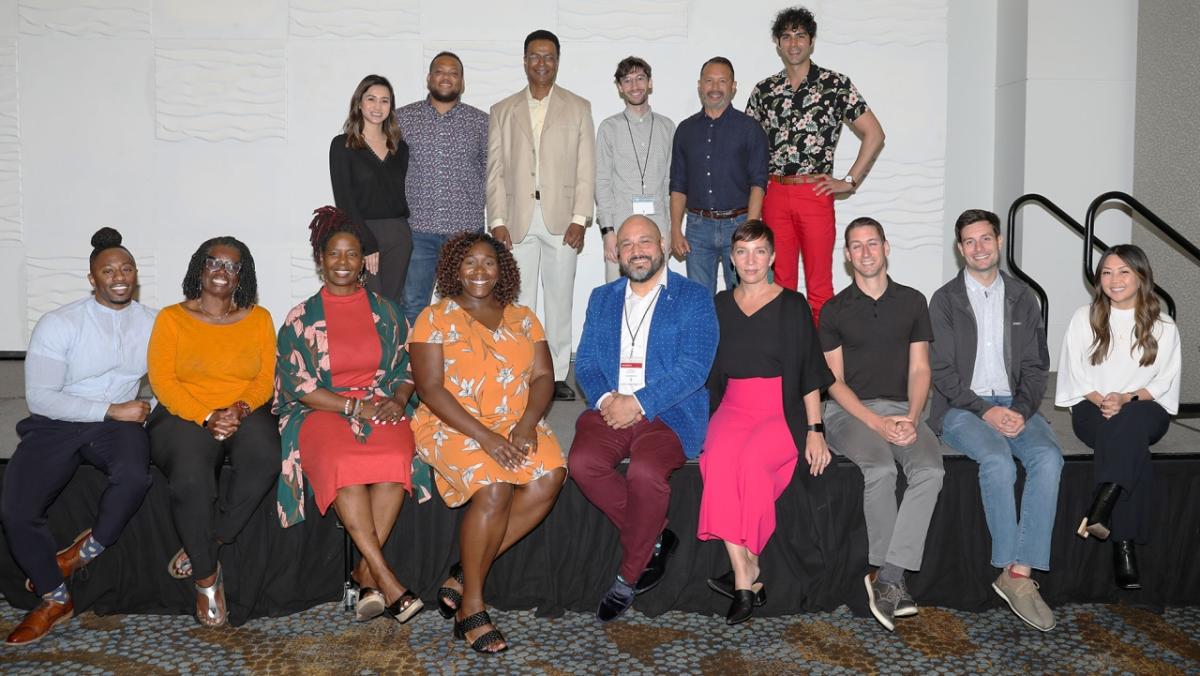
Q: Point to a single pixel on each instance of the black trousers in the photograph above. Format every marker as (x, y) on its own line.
(395, 249)
(191, 459)
(1122, 456)
(45, 460)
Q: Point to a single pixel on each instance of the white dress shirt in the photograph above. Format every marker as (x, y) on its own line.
(635, 334)
(987, 302)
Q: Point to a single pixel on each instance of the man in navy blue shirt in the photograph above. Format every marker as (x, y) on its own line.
(718, 175)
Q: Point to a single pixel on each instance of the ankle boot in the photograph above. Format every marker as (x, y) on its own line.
(1125, 568)
(1096, 521)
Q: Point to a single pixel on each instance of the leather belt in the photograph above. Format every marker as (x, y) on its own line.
(795, 179)
(728, 213)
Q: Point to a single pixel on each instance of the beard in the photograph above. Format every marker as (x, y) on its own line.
(444, 98)
(656, 264)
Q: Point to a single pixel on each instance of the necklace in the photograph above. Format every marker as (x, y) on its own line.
(211, 315)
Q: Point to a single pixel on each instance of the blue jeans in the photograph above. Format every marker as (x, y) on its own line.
(1026, 541)
(422, 266)
(710, 240)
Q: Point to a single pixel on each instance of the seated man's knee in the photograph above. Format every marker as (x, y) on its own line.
(999, 468)
(647, 475)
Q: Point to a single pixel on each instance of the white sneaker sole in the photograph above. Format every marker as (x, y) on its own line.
(890, 626)
(1014, 610)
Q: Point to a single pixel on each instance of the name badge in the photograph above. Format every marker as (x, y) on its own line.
(632, 374)
(643, 205)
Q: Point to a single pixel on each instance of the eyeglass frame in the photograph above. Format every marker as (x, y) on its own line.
(212, 263)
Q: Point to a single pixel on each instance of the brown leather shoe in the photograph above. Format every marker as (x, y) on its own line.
(68, 559)
(40, 621)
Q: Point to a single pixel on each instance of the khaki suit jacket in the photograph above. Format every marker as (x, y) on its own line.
(567, 163)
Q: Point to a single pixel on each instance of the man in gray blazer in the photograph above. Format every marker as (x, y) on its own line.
(540, 186)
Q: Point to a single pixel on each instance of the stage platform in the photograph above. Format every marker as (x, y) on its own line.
(815, 562)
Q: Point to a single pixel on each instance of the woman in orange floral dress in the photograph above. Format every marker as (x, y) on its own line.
(485, 380)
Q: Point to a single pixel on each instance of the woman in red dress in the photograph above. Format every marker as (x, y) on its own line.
(342, 387)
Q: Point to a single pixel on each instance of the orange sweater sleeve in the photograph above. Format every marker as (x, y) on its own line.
(161, 360)
(260, 390)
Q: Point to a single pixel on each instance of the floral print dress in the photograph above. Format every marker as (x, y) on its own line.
(488, 372)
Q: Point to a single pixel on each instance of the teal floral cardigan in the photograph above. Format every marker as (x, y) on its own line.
(302, 366)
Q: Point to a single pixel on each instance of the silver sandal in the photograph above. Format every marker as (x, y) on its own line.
(215, 615)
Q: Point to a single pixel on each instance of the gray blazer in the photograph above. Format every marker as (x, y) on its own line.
(952, 353)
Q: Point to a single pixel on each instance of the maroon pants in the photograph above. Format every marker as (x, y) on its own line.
(803, 225)
(637, 502)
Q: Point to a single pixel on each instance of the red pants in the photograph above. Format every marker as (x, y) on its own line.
(637, 502)
(803, 225)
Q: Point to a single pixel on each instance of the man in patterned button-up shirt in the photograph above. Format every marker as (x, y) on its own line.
(447, 173)
(802, 108)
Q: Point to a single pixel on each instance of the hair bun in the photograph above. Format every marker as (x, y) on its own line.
(106, 238)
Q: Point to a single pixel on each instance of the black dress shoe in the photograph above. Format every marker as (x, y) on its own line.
(742, 607)
(724, 586)
(563, 391)
(1098, 517)
(1125, 568)
(616, 601)
(657, 568)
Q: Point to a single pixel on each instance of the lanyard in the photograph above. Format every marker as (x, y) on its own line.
(641, 170)
(633, 333)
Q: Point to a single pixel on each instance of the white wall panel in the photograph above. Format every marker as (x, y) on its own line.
(220, 91)
(108, 19)
(666, 20)
(355, 19)
(221, 19)
(53, 281)
(10, 146)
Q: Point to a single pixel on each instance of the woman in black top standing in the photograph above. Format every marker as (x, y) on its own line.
(367, 165)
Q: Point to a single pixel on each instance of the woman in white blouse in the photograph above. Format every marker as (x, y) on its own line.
(1119, 374)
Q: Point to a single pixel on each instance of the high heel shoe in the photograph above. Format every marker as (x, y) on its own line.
(724, 586)
(1096, 521)
(744, 601)
(446, 595)
(488, 639)
(1125, 567)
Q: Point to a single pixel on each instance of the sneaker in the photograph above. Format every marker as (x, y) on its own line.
(906, 606)
(1022, 596)
(883, 598)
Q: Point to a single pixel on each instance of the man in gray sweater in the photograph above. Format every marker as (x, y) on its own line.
(990, 364)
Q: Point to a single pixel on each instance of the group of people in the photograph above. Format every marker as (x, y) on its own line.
(347, 403)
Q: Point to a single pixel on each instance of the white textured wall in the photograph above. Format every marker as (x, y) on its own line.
(176, 120)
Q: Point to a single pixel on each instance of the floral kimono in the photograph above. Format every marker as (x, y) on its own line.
(302, 366)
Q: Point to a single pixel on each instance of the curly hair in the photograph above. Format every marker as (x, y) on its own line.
(246, 293)
(794, 18)
(455, 250)
(327, 222)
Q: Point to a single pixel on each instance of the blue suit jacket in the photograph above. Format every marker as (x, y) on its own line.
(679, 354)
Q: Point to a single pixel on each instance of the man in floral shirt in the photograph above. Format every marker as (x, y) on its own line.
(802, 108)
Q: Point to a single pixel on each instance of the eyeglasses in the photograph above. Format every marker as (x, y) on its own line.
(549, 59)
(214, 264)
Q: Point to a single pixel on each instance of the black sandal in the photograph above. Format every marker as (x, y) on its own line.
(405, 607)
(446, 594)
(479, 645)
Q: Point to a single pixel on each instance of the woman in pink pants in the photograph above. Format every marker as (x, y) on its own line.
(765, 386)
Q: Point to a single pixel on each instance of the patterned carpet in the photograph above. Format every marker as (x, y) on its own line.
(1089, 639)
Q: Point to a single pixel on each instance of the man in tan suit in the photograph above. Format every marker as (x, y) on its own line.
(540, 185)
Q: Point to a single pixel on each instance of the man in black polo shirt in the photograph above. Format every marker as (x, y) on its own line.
(876, 336)
(718, 175)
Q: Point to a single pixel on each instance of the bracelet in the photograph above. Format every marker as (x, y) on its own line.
(243, 407)
(347, 405)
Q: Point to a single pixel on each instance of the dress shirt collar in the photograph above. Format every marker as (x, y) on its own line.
(437, 113)
(661, 281)
(974, 285)
(534, 102)
(634, 117)
(858, 293)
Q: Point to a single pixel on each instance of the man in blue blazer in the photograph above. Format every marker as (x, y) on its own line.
(647, 347)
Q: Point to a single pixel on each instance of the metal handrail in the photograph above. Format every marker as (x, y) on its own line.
(1011, 245)
(1151, 218)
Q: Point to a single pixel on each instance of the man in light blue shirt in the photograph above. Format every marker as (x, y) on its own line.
(83, 368)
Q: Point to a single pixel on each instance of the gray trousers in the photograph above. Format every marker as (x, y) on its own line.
(896, 533)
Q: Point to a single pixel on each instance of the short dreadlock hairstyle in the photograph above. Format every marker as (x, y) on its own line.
(327, 222)
(246, 293)
(455, 250)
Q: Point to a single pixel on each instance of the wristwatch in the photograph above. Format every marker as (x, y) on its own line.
(850, 179)
(605, 229)
(817, 427)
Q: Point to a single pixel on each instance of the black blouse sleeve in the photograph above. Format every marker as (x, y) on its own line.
(812, 370)
(343, 190)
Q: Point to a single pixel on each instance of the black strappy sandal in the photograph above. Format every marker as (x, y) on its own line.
(405, 607)
(480, 645)
(446, 595)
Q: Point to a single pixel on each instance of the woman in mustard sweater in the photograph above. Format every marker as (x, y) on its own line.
(212, 364)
